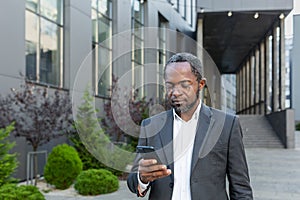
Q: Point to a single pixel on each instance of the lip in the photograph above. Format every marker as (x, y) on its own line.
(177, 102)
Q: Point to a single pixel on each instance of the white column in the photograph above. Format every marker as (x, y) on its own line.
(262, 76)
(267, 76)
(275, 64)
(282, 65)
(257, 81)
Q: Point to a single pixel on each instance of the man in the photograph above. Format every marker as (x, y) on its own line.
(198, 146)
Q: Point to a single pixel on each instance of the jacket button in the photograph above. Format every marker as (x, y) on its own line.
(171, 185)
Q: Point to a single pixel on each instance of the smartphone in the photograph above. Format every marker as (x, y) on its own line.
(148, 152)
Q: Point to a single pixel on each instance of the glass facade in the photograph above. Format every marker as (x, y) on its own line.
(186, 8)
(162, 55)
(102, 45)
(137, 57)
(44, 41)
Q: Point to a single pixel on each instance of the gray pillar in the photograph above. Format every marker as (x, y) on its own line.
(244, 87)
(267, 76)
(275, 64)
(78, 44)
(282, 66)
(248, 88)
(200, 39)
(262, 77)
(251, 83)
(237, 91)
(241, 89)
(257, 81)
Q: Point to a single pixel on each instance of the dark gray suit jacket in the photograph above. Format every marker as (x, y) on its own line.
(218, 151)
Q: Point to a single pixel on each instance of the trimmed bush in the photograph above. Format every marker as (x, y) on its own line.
(298, 127)
(62, 167)
(96, 181)
(14, 192)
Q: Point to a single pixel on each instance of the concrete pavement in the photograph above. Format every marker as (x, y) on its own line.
(274, 173)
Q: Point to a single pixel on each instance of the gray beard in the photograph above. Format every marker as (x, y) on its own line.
(179, 110)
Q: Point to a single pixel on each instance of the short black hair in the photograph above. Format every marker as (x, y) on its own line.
(195, 63)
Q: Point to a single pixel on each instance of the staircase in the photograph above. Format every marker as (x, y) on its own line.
(258, 133)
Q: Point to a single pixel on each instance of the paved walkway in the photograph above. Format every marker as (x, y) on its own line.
(274, 173)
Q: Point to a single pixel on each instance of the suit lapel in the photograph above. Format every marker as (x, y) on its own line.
(204, 125)
(166, 137)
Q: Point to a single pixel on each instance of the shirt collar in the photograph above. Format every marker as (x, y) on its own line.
(195, 114)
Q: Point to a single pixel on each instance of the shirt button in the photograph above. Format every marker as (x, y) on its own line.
(171, 185)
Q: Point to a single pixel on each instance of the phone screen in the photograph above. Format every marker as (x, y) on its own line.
(148, 152)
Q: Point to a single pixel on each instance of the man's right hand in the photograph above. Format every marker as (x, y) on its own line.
(149, 170)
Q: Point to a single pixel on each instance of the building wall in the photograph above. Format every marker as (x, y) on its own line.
(12, 42)
(296, 68)
(78, 69)
(242, 5)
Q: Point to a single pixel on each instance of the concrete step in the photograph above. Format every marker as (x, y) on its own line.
(258, 133)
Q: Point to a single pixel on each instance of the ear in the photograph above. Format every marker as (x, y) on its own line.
(202, 83)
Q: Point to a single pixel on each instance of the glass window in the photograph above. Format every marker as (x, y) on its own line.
(175, 4)
(32, 5)
(101, 37)
(52, 10)
(50, 53)
(182, 8)
(162, 57)
(138, 44)
(31, 32)
(44, 46)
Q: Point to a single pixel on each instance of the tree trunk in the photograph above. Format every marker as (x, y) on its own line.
(35, 164)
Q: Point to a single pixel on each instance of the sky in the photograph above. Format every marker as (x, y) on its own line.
(289, 19)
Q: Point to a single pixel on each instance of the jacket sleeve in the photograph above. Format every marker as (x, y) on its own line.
(237, 169)
(132, 181)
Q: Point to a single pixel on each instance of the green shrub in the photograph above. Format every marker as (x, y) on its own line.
(14, 192)
(298, 127)
(62, 167)
(8, 162)
(96, 181)
(89, 138)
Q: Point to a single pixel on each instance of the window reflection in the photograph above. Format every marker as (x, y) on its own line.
(102, 33)
(44, 33)
(32, 5)
(138, 44)
(52, 9)
(31, 33)
(49, 64)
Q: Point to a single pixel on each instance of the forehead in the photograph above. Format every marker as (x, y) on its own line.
(179, 71)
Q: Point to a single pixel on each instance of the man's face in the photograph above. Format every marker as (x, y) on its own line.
(182, 87)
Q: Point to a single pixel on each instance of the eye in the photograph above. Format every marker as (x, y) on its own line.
(169, 86)
(185, 84)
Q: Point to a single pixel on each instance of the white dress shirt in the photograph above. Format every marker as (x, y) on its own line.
(183, 137)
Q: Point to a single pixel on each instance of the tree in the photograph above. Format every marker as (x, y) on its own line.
(8, 162)
(88, 133)
(93, 144)
(138, 109)
(38, 115)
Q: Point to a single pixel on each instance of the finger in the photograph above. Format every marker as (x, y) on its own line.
(157, 175)
(150, 176)
(152, 168)
(147, 162)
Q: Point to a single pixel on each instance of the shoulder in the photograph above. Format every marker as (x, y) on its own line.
(220, 114)
(158, 118)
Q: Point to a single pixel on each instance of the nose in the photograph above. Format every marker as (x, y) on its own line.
(176, 91)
